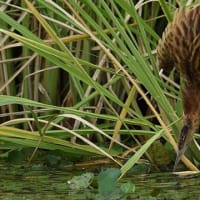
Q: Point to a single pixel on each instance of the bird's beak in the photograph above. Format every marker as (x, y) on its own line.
(185, 138)
(178, 157)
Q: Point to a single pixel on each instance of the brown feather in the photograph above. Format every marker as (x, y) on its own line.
(180, 47)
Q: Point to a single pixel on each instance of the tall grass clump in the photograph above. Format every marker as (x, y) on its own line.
(81, 77)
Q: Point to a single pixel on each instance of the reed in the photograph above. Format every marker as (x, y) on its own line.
(85, 74)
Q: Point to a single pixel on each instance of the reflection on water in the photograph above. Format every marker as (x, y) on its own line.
(35, 183)
(167, 186)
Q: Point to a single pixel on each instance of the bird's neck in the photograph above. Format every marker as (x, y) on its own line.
(191, 104)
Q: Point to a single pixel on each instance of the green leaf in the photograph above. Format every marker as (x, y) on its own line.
(127, 188)
(107, 180)
(133, 160)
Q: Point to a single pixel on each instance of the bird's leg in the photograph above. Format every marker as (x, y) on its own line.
(191, 105)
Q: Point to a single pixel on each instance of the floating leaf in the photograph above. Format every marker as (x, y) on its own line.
(107, 180)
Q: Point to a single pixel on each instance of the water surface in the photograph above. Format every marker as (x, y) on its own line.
(18, 183)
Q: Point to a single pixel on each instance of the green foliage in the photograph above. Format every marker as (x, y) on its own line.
(79, 74)
(108, 187)
(107, 181)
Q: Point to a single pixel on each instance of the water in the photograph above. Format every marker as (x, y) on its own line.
(19, 183)
(167, 186)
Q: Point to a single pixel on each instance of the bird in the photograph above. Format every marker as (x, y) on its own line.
(179, 47)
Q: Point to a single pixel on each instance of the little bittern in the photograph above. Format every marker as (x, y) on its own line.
(180, 47)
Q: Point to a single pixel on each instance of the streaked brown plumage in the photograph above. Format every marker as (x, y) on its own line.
(180, 47)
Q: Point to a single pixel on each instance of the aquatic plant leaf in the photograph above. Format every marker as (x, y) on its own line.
(127, 188)
(16, 156)
(107, 180)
